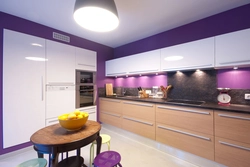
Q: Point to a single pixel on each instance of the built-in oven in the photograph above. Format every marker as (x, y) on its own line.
(85, 88)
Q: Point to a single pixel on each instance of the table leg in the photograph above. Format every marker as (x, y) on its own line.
(40, 155)
(53, 159)
(98, 144)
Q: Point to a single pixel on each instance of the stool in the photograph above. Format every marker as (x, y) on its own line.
(37, 162)
(74, 161)
(107, 159)
(105, 139)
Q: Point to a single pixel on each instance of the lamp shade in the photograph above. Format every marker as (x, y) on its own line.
(96, 15)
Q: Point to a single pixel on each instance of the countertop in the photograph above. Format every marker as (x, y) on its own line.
(208, 105)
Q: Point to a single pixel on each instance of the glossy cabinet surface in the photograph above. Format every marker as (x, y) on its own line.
(92, 112)
(23, 87)
(146, 62)
(192, 55)
(60, 67)
(232, 49)
(85, 59)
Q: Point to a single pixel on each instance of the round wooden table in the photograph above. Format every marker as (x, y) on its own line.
(54, 139)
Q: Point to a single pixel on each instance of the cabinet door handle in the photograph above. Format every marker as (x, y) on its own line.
(92, 112)
(185, 133)
(116, 101)
(86, 65)
(185, 67)
(133, 72)
(89, 108)
(230, 62)
(139, 104)
(232, 116)
(115, 115)
(42, 87)
(51, 121)
(139, 121)
(233, 145)
(191, 111)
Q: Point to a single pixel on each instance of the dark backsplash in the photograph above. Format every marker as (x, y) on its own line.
(193, 85)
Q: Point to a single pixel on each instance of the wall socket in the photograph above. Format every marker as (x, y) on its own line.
(247, 96)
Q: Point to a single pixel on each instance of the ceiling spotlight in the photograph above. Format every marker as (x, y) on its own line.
(96, 15)
(235, 68)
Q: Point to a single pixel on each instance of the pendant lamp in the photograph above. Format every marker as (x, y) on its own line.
(96, 15)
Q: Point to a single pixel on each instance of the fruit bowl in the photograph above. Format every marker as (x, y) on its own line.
(73, 122)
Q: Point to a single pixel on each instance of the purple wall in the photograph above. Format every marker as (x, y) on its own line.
(234, 79)
(143, 81)
(229, 21)
(28, 27)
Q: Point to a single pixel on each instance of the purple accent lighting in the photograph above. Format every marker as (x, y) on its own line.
(143, 81)
(234, 79)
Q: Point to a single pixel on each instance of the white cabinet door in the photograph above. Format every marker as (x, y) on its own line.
(233, 49)
(85, 59)
(60, 67)
(147, 62)
(192, 55)
(92, 112)
(23, 87)
(59, 100)
(116, 67)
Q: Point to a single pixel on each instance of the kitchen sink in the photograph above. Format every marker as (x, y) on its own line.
(180, 101)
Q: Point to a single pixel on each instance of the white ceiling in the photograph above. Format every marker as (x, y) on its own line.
(138, 18)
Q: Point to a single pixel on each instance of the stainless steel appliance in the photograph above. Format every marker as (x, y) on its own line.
(85, 88)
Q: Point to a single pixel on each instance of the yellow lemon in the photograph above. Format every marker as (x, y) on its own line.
(72, 116)
(79, 116)
(63, 117)
(77, 112)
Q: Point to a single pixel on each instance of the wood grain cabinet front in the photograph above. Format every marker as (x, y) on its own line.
(195, 119)
(111, 111)
(186, 128)
(232, 138)
(234, 126)
(139, 118)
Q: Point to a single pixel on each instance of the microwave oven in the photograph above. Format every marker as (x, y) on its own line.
(85, 77)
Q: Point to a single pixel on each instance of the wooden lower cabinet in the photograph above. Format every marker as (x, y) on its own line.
(190, 141)
(232, 153)
(110, 112)
(139, 118)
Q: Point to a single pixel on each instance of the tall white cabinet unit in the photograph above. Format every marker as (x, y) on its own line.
(192, 55)
(232, 49)
(23, 87)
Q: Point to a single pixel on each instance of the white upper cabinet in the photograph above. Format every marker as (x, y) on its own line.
(116, 67)
(233, 49)
(147, 62)
(23, 87)
(192, 55)
(60, 64)
(85, 59)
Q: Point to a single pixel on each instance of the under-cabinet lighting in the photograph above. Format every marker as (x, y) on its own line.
(36, 58)
(235, 68)
(173, 58)
(156, 73)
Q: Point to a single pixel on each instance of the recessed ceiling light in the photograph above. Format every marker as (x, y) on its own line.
(36, 58)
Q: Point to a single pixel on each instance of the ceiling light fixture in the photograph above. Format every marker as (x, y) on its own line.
(96, 15)
(173, 58)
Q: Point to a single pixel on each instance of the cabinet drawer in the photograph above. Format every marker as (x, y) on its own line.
(195, 119)
(232, 153)
(196, 143)
(140, 127)
(110, 105)
(234, 126)
(111, 118)
(145, 111)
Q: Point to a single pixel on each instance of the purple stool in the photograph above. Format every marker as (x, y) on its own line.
(107, 159)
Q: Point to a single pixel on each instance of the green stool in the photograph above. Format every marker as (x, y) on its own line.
(105, 139)
(37, 162)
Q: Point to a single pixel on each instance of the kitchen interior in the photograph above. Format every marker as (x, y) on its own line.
(175, 97)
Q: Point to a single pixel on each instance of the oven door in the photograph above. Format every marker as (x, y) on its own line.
(85, 95)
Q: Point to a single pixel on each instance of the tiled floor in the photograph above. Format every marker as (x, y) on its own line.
(133, 153)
